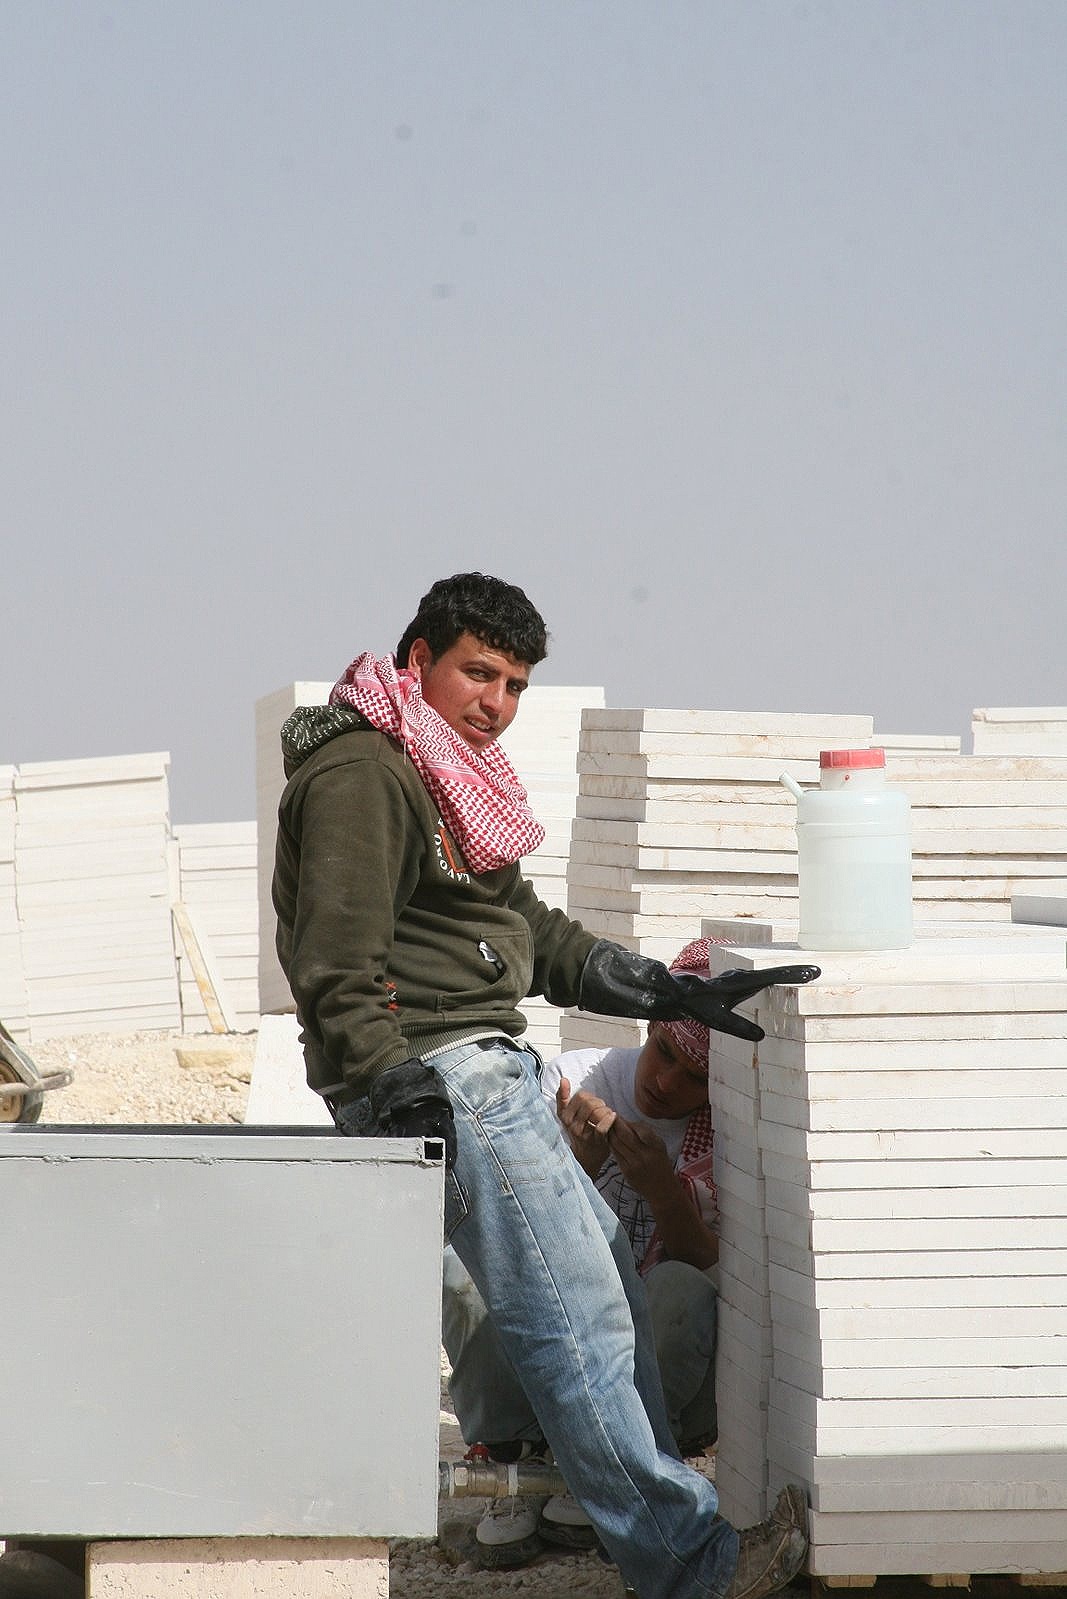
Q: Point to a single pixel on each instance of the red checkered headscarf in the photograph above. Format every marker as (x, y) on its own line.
(693, 1038)
(694, 1164)
(481, 800)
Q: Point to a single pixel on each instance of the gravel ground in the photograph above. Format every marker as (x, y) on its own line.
(161, 1077)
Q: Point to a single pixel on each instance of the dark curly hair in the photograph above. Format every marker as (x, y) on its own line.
(497, 613)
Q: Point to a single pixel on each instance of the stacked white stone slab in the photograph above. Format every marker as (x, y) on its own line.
(1020, 730)
(13, 1011)
(918, 743)
(682, 815)
(892, 1166)
(542, 745)
(271, 712)
(218, 887)
(94, 895)
(984, 827)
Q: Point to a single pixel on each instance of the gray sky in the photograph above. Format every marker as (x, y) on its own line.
(734, 332)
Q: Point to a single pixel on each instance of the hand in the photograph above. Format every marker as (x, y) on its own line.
(586, 1120)
(642, 1158)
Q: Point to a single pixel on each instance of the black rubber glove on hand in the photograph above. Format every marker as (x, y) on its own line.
(411, 1101)
(616, 982)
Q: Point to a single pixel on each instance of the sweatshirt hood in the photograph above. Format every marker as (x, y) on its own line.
(309, 727)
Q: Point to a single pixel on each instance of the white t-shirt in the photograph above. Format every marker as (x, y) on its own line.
(609, 1074)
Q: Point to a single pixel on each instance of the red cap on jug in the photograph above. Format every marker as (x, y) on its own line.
(851, 758)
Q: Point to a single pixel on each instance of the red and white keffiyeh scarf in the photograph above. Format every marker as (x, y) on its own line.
(481, 800)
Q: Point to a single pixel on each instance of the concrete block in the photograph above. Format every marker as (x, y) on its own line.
(239, 1568)
(279, 1094)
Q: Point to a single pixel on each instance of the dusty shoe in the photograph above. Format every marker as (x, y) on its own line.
(507, 1534)
(565, 1523)
(771, 1553)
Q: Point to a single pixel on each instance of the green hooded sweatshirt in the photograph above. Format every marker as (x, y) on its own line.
(391, 946)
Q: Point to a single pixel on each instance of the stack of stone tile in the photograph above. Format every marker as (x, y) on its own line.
(217, 886)
(13, 1012)
(94, 895)
(891, 1169)
(984, 827)
(682, 815)
(1019, 730)
(542, 745)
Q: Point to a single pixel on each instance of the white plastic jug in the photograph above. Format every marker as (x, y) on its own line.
(854, 855)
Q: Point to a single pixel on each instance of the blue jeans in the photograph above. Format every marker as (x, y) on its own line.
(490, 1402)
(556, 1273)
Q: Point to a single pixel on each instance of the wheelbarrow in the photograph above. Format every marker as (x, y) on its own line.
(22, 1086)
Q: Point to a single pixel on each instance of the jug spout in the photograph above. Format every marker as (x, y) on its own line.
(791, 784)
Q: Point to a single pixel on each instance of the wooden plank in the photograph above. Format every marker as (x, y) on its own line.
(207, 983)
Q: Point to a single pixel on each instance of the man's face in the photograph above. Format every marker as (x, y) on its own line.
(476, 689)
(668, 1083)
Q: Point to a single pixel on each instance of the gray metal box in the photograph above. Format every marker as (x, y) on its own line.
(222, 1332)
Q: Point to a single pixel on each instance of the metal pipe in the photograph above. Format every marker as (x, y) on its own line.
(490, 1479)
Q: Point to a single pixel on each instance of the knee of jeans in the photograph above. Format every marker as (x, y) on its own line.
(679, 1293)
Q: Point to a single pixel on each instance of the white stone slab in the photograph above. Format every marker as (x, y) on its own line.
(885, 1416)
(701, 746)
(599, 807)
(702, 834)
(976, 769)
(960, 1144)
(927, 1200)
(722, 769)
(704, 792)
(279, 1094)
(32, 776)
(943, 1381)
(917, 743)
(816, 724)
(1005, 1076)
(819, 1298)
(683, 860)
(931, 1026)
(864, 1115)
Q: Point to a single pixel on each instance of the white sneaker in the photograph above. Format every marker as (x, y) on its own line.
(507, 1534)
(564, 1522)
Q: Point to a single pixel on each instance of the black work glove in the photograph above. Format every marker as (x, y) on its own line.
(411, 1101)
(616, 982)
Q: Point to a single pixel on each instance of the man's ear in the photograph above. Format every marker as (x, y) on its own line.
(420, 656)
